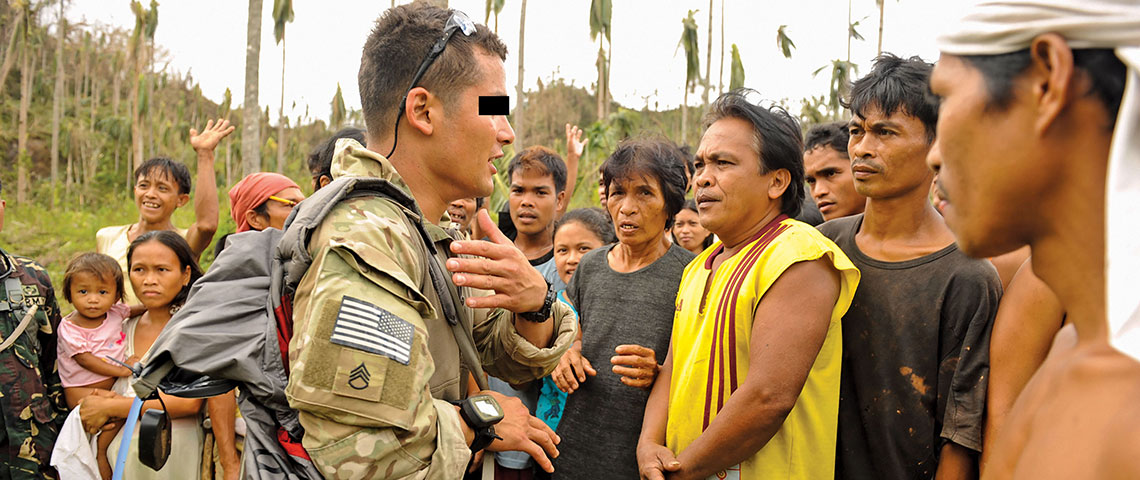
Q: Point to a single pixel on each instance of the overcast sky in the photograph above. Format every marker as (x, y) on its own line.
(207, 39)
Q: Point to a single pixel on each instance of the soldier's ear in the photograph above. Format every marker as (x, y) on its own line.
(419, 110)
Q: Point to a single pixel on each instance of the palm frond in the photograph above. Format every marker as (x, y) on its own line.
(736, 80)
(784, 42)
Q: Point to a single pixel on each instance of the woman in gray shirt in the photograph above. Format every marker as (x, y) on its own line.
(625, 295)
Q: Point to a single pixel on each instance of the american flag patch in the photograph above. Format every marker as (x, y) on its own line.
(364, 326)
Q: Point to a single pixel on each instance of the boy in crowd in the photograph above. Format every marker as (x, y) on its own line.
(537, 194)
(162, 186)
(827, 169)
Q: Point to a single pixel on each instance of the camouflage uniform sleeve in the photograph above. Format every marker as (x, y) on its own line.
(510, 357)
(49, 318)
(366, 406)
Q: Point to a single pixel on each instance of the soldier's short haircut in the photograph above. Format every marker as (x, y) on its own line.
(165, 167)
(834, 135)
(655, 158)
(97, 264)
(543, 161)
(398, 44)
(896, 84)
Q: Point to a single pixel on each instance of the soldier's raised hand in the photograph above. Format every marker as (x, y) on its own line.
(499, 267)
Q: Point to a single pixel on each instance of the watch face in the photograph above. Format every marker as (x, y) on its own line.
(487, 408)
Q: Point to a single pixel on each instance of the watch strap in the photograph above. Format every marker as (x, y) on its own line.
(542, 314)
(483, 438)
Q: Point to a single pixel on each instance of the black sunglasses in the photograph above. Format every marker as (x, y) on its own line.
(458, 22)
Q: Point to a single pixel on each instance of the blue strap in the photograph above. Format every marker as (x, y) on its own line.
(128, 434)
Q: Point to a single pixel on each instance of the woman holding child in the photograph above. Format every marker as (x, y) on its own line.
(162, 269)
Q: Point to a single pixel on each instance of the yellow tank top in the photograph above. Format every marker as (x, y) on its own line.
(711, 351)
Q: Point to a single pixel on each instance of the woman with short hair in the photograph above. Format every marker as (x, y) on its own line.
(624, 294)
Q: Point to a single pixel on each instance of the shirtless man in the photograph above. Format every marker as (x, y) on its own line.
(1026, 126)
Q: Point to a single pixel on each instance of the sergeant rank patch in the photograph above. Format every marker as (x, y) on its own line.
(364, 326)
(359, 377)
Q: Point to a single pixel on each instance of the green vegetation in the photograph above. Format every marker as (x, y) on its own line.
(118, 105)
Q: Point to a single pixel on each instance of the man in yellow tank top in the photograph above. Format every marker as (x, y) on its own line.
(750, 387)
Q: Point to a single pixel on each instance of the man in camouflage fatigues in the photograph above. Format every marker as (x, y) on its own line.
(31, 396)
(366, 251)
(373, 395)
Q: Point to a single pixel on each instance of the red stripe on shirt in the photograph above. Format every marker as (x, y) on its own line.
(720, 325)
(747, 263)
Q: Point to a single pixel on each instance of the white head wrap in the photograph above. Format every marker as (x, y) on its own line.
(996, 27)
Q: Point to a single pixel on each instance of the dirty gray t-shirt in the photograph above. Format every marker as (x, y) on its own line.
(602, 419)
(915, 359)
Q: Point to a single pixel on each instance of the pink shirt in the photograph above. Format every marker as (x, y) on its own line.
(106, 340)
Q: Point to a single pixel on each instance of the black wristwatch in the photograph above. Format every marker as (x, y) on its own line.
(543, 313)
(481, 412)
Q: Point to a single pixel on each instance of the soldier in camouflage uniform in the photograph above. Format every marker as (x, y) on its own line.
(31, 396)
(379, 408)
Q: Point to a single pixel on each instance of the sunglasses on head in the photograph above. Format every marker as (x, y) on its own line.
(458, 22)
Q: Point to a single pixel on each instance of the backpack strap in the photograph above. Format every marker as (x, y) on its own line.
(23, 325)
(14, 296)
(14, 302)
(448, 298)
(293, 259)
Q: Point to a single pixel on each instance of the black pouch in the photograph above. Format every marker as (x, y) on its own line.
(154, 438)
(154, 427)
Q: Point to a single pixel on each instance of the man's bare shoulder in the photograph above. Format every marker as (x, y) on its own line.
(1077, 415)
(1118, 459)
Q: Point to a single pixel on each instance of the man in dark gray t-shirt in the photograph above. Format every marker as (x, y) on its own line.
(915, 361)
(916, 337)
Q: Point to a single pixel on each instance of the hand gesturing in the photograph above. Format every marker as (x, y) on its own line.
(208, 139)
(575, 142)
(498, 266)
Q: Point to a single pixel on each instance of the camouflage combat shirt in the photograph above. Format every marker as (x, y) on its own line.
(373, 363)
(31, 396)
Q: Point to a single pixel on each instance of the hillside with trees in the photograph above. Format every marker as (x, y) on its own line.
(82, 104)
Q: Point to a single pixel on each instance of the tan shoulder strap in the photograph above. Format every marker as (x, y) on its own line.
(23, 325)
(448, 299)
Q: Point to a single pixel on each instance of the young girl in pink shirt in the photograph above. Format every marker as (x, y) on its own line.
(91, 334)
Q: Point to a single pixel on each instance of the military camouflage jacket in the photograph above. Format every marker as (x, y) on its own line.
(31, 397)
(373, 361)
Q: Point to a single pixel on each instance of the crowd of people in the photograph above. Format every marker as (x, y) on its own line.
(917, 293)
